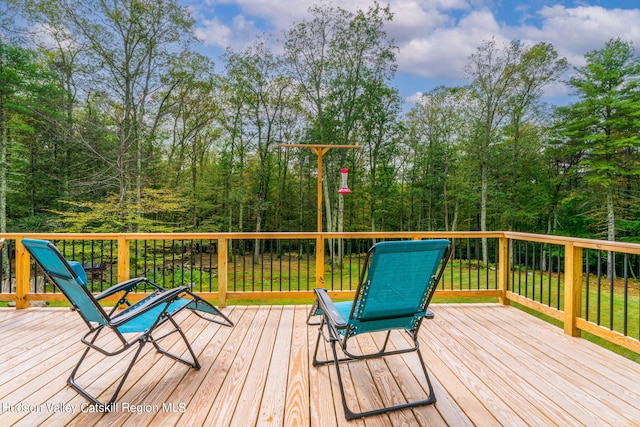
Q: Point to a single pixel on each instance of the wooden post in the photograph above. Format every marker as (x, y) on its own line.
(124, 254)
(572, 288)
(223, 269)
(320, 261)
(504, 267)
(23, 277)
(319, 150)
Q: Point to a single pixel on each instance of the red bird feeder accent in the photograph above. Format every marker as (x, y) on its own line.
(344, 189)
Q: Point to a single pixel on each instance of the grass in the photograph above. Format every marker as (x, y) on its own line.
(629, 354)
(601, 298)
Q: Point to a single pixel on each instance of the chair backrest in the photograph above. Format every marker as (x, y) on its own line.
(66, 278)
(400, 280)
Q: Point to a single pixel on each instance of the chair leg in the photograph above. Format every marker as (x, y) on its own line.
(314, 308)
(194, 363)
(317, 362)
(348, 356)
(225, 322)
(108, 406)
(350, 415)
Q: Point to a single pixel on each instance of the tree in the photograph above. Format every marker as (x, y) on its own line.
(191, 111)
(13, 64)
(520, 150)
(256, 76)
(129, 45)
(493, 73)
(505, 85)
(49, 32)
(379, 133)
(434, 132)
(602, 126)
(334, 57)
(105, 216)
(27, 95)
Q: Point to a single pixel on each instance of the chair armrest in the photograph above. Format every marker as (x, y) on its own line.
(151, 302)
(126, 286)
(329, 309)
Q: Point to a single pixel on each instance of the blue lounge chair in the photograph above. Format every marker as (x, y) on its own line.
(396, 286)
(134, 325)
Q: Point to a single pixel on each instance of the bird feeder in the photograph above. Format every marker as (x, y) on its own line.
(344, 189)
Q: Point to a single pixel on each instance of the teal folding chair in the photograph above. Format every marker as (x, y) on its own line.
(395, 288)
(134, 325)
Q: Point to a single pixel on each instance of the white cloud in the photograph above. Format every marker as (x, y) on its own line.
(52, 38)
(280, 14)
(576, 31)
(214, 33)
(442, 53)
(436, 37)
(414, 98)
(556, 90)
(411, 19)
(442, 50)
(238, 35)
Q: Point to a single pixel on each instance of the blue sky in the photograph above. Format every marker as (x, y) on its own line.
(436, 37)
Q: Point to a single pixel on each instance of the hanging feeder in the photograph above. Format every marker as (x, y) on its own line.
(344, 188)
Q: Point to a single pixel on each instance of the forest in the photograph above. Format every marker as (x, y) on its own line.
(111, 121)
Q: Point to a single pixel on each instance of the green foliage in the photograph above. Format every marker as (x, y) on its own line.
(28, 109)
(601, 131)
(153, 214)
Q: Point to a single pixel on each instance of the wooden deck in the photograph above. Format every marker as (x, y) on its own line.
(490, 365)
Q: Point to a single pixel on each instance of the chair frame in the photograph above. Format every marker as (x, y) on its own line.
(159, 298)
(338, 333)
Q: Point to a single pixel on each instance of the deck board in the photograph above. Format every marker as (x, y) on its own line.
(513, 376)
(272, 402)
(297, 403)
(489, 365)
(547, 385)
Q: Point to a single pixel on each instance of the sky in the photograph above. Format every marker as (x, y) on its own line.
(436, 37)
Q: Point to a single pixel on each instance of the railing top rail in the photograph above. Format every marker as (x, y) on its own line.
(253, 235)
(542, 238)
(602, 245)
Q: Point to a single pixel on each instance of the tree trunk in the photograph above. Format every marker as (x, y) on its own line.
(4, 141)
(445, 198)
(194, 183)
(454, 221)
(611, 235)
(483, 213)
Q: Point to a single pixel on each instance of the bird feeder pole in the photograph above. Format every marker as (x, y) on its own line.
(319, 150)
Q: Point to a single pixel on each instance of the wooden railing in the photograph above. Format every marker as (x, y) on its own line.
(622, 288)
(550, 274)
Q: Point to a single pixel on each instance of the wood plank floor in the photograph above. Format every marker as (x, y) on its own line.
(489, 364)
